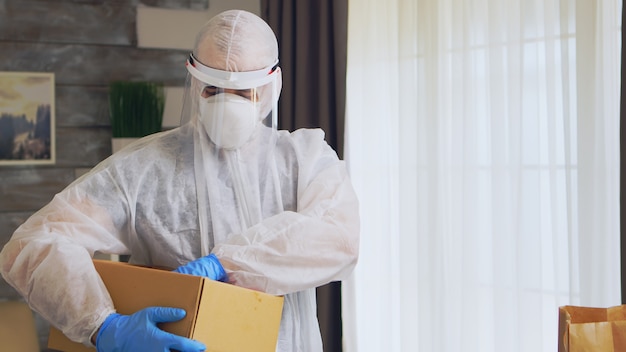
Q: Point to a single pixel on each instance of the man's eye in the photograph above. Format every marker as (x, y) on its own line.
(210, 91)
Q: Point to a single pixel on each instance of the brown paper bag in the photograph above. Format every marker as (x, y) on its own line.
(585, 329)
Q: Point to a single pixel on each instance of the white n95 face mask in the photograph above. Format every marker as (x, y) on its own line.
(229, 119)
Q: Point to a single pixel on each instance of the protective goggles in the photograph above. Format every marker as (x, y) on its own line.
(231, 80)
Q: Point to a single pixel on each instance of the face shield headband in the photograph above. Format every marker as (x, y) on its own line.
(231, 80)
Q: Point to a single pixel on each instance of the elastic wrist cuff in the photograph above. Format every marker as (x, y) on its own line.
(106, 323)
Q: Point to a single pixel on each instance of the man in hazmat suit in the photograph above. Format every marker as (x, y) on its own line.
(225, 195)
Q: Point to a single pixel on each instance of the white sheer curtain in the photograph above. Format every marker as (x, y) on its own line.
(483, 140)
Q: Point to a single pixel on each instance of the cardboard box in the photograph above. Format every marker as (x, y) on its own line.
(226, 318)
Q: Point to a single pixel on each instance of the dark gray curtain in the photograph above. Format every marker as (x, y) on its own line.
(312, 40)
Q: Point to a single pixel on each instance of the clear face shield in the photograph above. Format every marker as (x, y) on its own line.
(232, 117)
(230, 107)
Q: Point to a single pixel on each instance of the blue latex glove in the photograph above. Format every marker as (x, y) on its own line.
(207, 266)
(139, 332)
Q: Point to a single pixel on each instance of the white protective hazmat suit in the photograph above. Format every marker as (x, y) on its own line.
(277, 209)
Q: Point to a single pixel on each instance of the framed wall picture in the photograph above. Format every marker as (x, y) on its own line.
(27, 133)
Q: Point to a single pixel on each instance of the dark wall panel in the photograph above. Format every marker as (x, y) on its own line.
(98, 22)
(82, 147)
(78, 106)
(9, 222)
(30, 189)
(87, 44)
(94, 64)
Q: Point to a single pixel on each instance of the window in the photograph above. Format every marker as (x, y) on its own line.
(486, 161)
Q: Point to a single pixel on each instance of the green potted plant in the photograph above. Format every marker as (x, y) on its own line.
(135, 109)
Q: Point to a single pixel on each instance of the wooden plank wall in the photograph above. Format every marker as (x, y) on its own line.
(86, 44)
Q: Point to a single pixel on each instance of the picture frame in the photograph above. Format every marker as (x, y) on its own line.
(27, 118)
